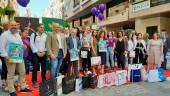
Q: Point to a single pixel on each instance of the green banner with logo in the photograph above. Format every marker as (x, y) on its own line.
(49, 21)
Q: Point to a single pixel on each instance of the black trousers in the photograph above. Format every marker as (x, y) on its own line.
(4, 69)
(36, 61)
(120, 60)
(139, 58)
(86, 63)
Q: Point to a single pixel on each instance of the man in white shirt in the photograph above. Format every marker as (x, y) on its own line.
(38, 47)
(8, 39)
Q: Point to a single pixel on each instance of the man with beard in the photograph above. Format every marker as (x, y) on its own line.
(7, 38)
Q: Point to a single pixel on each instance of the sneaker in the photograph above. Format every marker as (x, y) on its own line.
(35, 85)
(26, 90)
(12, 94)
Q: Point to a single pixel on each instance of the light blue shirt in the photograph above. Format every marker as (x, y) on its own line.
(74, 42)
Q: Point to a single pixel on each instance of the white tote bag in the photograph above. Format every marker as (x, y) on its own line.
(153, 76)
(100, 82)
(121, 77)
(79, 85)
(95, 60)
(59, 85)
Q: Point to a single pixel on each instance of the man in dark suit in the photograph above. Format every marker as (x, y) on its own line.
(166, 46)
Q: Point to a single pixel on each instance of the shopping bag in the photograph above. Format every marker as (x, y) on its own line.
(79, 84)
(93, 81)
(109, 79)
(100, 82)
(58, 85)
(47, 88)
(86, 81)
(121, 77)
(161, 74)
(95, 60)
(153, 76)
(83, 54)
(134, 66)
(68, 84)
(135, 75)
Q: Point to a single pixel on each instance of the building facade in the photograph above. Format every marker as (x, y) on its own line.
(54, 9)
(142, 15)
(11, 3)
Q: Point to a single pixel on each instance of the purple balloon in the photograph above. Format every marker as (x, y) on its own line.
(94, 10)
(101, 16)
(23, 3)
(97, 12)
(102, 7)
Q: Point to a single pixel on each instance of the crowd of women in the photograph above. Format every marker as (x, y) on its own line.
(116, 49)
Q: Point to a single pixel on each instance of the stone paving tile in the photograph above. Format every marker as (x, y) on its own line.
(135, 89)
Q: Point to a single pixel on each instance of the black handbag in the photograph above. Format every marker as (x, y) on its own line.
(86, 81)
(68, 84)
(93, 82)
(47, 88)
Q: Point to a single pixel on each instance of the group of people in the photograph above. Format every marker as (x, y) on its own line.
(63, 44)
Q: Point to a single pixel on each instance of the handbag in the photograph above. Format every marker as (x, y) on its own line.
(84, 54)
(68, 84)
(95, 60)
(132, 54)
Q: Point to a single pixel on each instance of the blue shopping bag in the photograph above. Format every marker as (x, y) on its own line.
(135, 75)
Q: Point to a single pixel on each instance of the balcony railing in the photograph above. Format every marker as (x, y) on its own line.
(158, 2)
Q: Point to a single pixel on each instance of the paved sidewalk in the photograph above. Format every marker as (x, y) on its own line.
(136, 89)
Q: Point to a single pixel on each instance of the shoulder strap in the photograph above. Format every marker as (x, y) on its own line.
(35, 35)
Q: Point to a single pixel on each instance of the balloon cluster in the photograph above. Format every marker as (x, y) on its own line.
(98, 12)
(23, 3)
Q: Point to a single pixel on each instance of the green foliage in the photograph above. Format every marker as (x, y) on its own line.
(2, 11)
(9, 11)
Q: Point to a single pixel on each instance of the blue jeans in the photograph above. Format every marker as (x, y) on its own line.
(110, 57)
(56, 64)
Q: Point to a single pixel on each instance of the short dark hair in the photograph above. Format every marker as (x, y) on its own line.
(17, 21)
(40, 25)
(23, 29)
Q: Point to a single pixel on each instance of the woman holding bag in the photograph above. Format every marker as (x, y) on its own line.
(140, 49)
(131, 47)
(102, 43)
(85, 52)
(94, 51)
